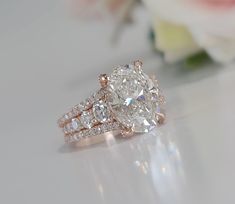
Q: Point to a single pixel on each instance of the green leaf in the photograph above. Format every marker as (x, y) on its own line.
(197, 60)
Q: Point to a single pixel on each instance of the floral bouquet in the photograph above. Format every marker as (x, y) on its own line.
(183, 30)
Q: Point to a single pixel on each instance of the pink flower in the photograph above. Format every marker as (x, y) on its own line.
(97, 9)
(216, 4)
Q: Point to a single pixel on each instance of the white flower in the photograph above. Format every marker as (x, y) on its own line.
(184, 27)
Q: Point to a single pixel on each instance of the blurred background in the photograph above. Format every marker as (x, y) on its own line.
(51, 54)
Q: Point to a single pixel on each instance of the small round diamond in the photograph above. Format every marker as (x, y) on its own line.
(75, 111)
(76, 125)
(68, 128)
(66, 117)
(76, 137)
(65, 130)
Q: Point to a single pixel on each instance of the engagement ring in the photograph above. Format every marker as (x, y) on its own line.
(128, 101)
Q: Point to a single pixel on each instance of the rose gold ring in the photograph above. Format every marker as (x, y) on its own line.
(129, 101)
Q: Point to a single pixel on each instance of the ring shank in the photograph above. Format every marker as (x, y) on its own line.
(80, 122)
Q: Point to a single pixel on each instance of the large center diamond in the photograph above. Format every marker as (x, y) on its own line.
(131, 99)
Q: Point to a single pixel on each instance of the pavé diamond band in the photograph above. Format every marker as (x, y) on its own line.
(128, 101)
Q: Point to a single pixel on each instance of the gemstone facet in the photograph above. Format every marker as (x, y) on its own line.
(130, 98)
(76, 125)
(101, 111)
(87, 119)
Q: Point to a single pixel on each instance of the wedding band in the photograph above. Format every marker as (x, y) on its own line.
(129, 101)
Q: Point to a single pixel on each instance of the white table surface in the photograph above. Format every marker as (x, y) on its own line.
(49, 61)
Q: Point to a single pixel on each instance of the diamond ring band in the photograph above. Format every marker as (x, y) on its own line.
(128, 101)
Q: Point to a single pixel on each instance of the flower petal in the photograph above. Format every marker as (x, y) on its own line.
(174, 41)
(212, 29)
(220, 49)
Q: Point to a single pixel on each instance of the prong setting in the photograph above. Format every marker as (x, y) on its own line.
(138, 65)
(160, 118)
(103, 79)
(127, 132)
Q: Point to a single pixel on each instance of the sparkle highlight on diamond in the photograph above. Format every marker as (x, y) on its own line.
(130, 98)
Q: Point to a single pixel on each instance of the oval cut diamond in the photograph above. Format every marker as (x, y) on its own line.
(130, 98)
(101, 111)
(87, 119)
